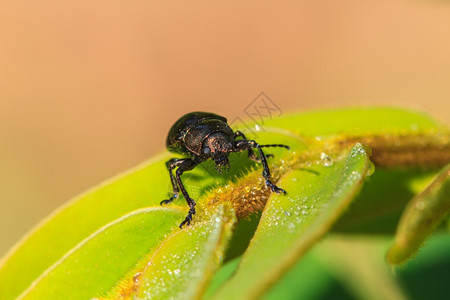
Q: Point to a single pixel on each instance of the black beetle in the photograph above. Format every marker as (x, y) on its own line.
(202, 136)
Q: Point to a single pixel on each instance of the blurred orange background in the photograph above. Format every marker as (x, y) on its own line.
(89, 89)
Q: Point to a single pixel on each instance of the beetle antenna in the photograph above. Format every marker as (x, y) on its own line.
(276, 145)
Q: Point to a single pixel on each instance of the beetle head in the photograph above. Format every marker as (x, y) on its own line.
(217, 146)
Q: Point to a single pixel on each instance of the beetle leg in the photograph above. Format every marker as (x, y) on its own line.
(186, 165)
(171, 164)
(250, 144)
(273, 145)
(251, 154)
(276, 145)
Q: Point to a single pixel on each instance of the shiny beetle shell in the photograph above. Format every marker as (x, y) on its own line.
(186, 136)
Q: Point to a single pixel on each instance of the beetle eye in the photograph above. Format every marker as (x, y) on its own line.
(206, 150)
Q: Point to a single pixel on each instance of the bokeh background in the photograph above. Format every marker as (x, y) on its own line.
(89, 89)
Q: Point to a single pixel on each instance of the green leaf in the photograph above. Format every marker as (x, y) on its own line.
(94, 266)
(319, 141)
(291, 224)
(185, 262)
(421, 217)
(75, 221)
(356, 121)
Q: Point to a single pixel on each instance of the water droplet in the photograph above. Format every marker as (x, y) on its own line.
(326, 159)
